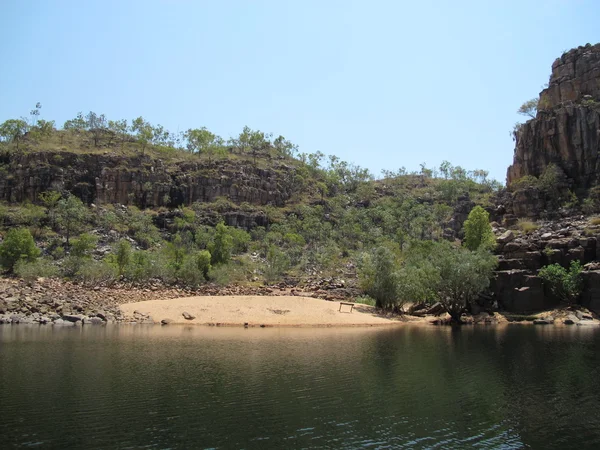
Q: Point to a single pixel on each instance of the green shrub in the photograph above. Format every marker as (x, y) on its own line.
(365, 300)
(122, 255)
(225, 274)
(277, 263)
(527, 226)
(18, 244)
(478, 231)
(221, 246)
(40, 268)
(93, 272)
(566, 285)
(83, 246)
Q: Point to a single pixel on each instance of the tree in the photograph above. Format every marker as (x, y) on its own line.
(463, 275)
(78, 124)
(18, 244)
(284, 147)
(13, 130)
(50, 200)
(566, 285)
(221, 246)
(203, 258)
(119, 129)
(529, 108)
(122, 255)
(97, 125)
(199, 139)
(71, 214)
(84, 245)
(478, 231)
(378, 277)
(144, 131)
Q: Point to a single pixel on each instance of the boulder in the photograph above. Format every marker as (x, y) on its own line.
(187, 316)
(166, 321)
(571, 319)
(506, 237)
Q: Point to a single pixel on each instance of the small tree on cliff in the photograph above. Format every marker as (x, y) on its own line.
(71, 214)
(529, 108)
(478, 231)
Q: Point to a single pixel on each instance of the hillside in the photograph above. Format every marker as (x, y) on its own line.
(112, 200)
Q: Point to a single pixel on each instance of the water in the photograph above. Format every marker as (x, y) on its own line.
(194, 387)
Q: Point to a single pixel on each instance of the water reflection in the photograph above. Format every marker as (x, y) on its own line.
(193, 387)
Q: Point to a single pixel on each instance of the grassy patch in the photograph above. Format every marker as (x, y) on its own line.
(527, 226)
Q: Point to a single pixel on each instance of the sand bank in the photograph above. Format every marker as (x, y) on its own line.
(288, 311)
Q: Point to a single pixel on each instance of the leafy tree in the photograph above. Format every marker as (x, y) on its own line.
(529, 108)
(50, 200)
(221, 246)
(78, 124)
(119, 129)
(203, 258)
(83, 246)
(97, 126)
(144, 131)
(463, 275)
(277, 263)
(71, 215)
(18, 244)
(284, 147)
(566, 285)
(176, 250)
(478, 231)
(122, 254)
(378, 277)
(440, 271)
(13, 130)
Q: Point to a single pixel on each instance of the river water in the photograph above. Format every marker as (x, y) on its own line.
(404, 387)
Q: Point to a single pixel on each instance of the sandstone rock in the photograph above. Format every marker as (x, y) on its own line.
(436, 309)
(571, 319)
(187, 316)
(583, 316)
(73, 317)
(505, 237)
(166, 321)
(563, 124)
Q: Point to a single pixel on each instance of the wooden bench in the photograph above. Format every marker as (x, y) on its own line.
(351, 305)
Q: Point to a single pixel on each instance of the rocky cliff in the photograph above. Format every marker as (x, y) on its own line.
(566, 129)
(143, 181)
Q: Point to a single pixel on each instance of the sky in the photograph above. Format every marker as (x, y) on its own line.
(382, 84)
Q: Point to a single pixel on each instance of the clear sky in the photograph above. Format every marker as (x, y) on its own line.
(383, 84)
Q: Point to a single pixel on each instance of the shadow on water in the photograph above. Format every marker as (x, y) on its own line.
(404, 387)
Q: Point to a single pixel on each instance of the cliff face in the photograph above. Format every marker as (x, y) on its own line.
(143, 181)
(566, 130)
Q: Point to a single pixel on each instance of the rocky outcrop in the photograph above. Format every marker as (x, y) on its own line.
(566, 129)
(143, 181)
(516, 286)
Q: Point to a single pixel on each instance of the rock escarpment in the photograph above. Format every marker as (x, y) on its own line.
(143, 181)
(516, 286)
(566, 129)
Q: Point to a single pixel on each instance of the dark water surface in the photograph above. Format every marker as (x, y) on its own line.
(195, 387)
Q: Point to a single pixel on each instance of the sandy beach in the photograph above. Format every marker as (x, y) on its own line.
(287, 311)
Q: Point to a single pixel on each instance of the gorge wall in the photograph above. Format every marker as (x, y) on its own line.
(143, 181)
(566, 129)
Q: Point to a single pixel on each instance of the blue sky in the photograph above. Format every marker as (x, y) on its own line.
(383, 84)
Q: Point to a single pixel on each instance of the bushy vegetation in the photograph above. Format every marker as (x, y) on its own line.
(18, 245)
(565, 284)
(478, 231)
